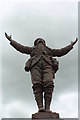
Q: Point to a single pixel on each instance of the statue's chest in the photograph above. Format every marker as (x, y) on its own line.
(40, 47)
(38, 50)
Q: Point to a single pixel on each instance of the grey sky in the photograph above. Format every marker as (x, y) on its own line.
(57, 23)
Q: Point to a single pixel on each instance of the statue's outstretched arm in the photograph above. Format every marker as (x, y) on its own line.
(63, 51)
(18, 46)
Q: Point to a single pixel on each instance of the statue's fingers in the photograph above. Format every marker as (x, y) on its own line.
(76, 39)
(71, 42)
(8, 37)
(5, 34)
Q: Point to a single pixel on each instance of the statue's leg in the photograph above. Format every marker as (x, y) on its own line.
(48, 87)
(39, 101)
(36, 77)
(47, 98)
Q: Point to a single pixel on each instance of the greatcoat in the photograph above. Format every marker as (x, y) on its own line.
(41, 66)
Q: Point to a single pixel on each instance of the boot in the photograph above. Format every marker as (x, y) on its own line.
(39, 100)
(47, 99)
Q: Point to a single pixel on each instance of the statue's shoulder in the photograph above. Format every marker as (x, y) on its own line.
(33, 47)
(48, 48)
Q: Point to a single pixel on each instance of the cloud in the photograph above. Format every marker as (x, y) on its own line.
(64, 104)
(18, 109)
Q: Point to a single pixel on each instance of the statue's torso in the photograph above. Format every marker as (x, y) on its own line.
(39, 50)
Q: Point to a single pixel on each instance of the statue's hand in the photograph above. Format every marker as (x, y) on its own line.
(8, 37)
(74, 41)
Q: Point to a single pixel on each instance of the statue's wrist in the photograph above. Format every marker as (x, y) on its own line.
(10, 41)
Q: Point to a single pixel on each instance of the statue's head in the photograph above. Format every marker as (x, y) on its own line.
(39, 40)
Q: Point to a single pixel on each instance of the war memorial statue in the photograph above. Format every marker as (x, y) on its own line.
(42, 67)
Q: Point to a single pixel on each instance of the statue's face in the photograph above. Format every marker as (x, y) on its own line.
(39, 40)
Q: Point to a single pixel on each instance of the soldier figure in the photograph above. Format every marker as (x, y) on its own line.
(42, 68)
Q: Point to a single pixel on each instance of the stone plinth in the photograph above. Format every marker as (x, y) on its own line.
(45, 115)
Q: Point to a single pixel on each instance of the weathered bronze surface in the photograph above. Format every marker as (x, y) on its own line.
(42, 67)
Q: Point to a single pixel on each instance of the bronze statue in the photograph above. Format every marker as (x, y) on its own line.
(42, 67)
